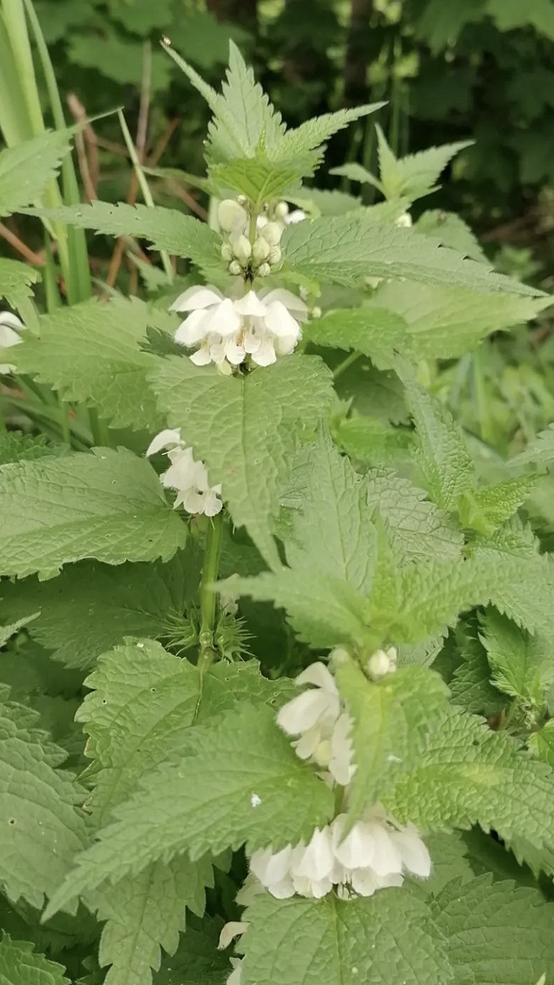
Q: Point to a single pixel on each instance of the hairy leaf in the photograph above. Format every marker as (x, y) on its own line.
(15, 281)
(516, 658)
(416, 174)
(26, 169)
(20, 964)
(376, 332)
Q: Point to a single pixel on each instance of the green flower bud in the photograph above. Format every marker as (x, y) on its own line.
(231, 215)
(272, 232)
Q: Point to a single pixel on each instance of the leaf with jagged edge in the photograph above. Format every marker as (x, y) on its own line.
(197, 959)
(444, 321)
(91, 353)
(304, 144)
(356, 172)
(542, 743)
(42, 828)
(343, 249)
(487, 509)
(108, 505)
(91, 607)
(323, 610)
(246, 429)
(389, 937)
(538, 452)
(520, 663)
(165, 229)
(390, 720)
(509, 15)
(452, 231)
(20, 964)
(15, 446)
(441, 455)
(15, 281)
(418, 530)
(238, 780)
(376, 332)
(332, 530)
(256, 178)
(414, 175)
(496, 932)
(6, 632)
(471, 685)
(28, 167)
(469, 775)
(374, 442)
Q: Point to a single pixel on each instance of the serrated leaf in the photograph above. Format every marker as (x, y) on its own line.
(356, 172)
(205, 802)
(256, 178)
(164, 229)
(542, 743)
(442, 456)
(376, 332)
(468, 775)
(446, 322)
(416, 174)
(516, 658)
(496, 933)
(20, 964)
(387, 938)
(509, 15)
(197, 959)
(15, 281)
(540, 451)
(343, 249)
(26, 169)
(452, 231)
(108, 505)
(91, 353)
(374, 442)
(487, 509)
(15, 446)
(471, 685)
(6, 632)
(418, 530)
(390, 719)
(304, 143)
(332, 531)
(90, 607)
(245, 429)
(118, 58)
(323, 201)
(323, 610)
(42, 828)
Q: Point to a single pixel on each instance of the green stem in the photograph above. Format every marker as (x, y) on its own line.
(210, 568)
(345, 364)
(479, 383)
(99, 429)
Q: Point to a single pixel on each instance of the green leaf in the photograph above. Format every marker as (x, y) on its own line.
(496, 933)
(165, 229)
(356, 172)
(471, 686)
(446, 322)
(540, 451)
(108, 505)
(332, 531)
(15, 281)
(509, 14)
(373, 442)
(15, 446)
(42, 829)
(27, 168)
(452, 231)
(390, 721)
(21, 965)
(416, 174)
(516, 658)
(469, 775)
(239, 781)
(323, 610)
(389, 937)
(90, 607)
(487, 509)
(256, 178)
(92, 354)
(117, 58)
(197, 958)
(146, 912)
(418, 530)
(245, 429)
(343, 249)
(304, 143)
(542, 743)
(376, 332)
(6, 632)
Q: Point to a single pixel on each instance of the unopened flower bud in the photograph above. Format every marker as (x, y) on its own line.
(235, 268)
(275, 255)
(339, 656)
(261, 250)
(231, 215)
(381, 663)
(241, 199)
(272, 232)
(316, 312)
(264, 270)
(404, 220)
(242, 249)
(226, 252)
(281, 210)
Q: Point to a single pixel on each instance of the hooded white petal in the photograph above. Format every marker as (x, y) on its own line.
(235, 928)
(235, 978)
(319, 675)
(307, 710)
(197, 297)
(187, 476)
(169, 438)
(413, 851)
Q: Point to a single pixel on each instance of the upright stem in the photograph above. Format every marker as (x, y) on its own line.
(208, 594)
(345, 364)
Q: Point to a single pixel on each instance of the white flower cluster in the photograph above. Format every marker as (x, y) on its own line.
(262, 255)
(10, 326)
(228, 331)
(187, 476)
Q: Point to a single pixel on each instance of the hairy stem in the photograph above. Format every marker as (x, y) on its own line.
(345, 364)
(208, 594)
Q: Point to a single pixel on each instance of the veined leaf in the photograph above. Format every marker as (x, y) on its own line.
(108, 505)
(15, 281)
(240, 781)
(373, 442)
(389, 937)
(452, 231)
(26, 169)
(197, 958)
(245, 429)
(416, 174)
(343, 249)
(539, 452)
(517, 659)
(376, 332)
(91, 353)
(20, 964)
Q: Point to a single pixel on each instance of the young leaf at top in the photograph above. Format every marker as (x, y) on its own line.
(108, 505)
(245, 429)
(416, 174)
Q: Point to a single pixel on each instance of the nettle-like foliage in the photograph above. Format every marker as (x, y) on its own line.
(281, 669)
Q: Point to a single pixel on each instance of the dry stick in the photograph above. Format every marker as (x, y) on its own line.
(88, 163)
(33, 258)
(188, 199)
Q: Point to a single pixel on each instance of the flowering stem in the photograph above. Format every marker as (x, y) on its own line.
(208, 595)
(345, 364)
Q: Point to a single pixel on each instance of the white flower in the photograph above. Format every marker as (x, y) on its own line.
(187, 476)
(297, 215)
(227, 331)
(235, 978)
(404, 220)
(319, 706)
(381, 663)
(10, 326)
(235, 928)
